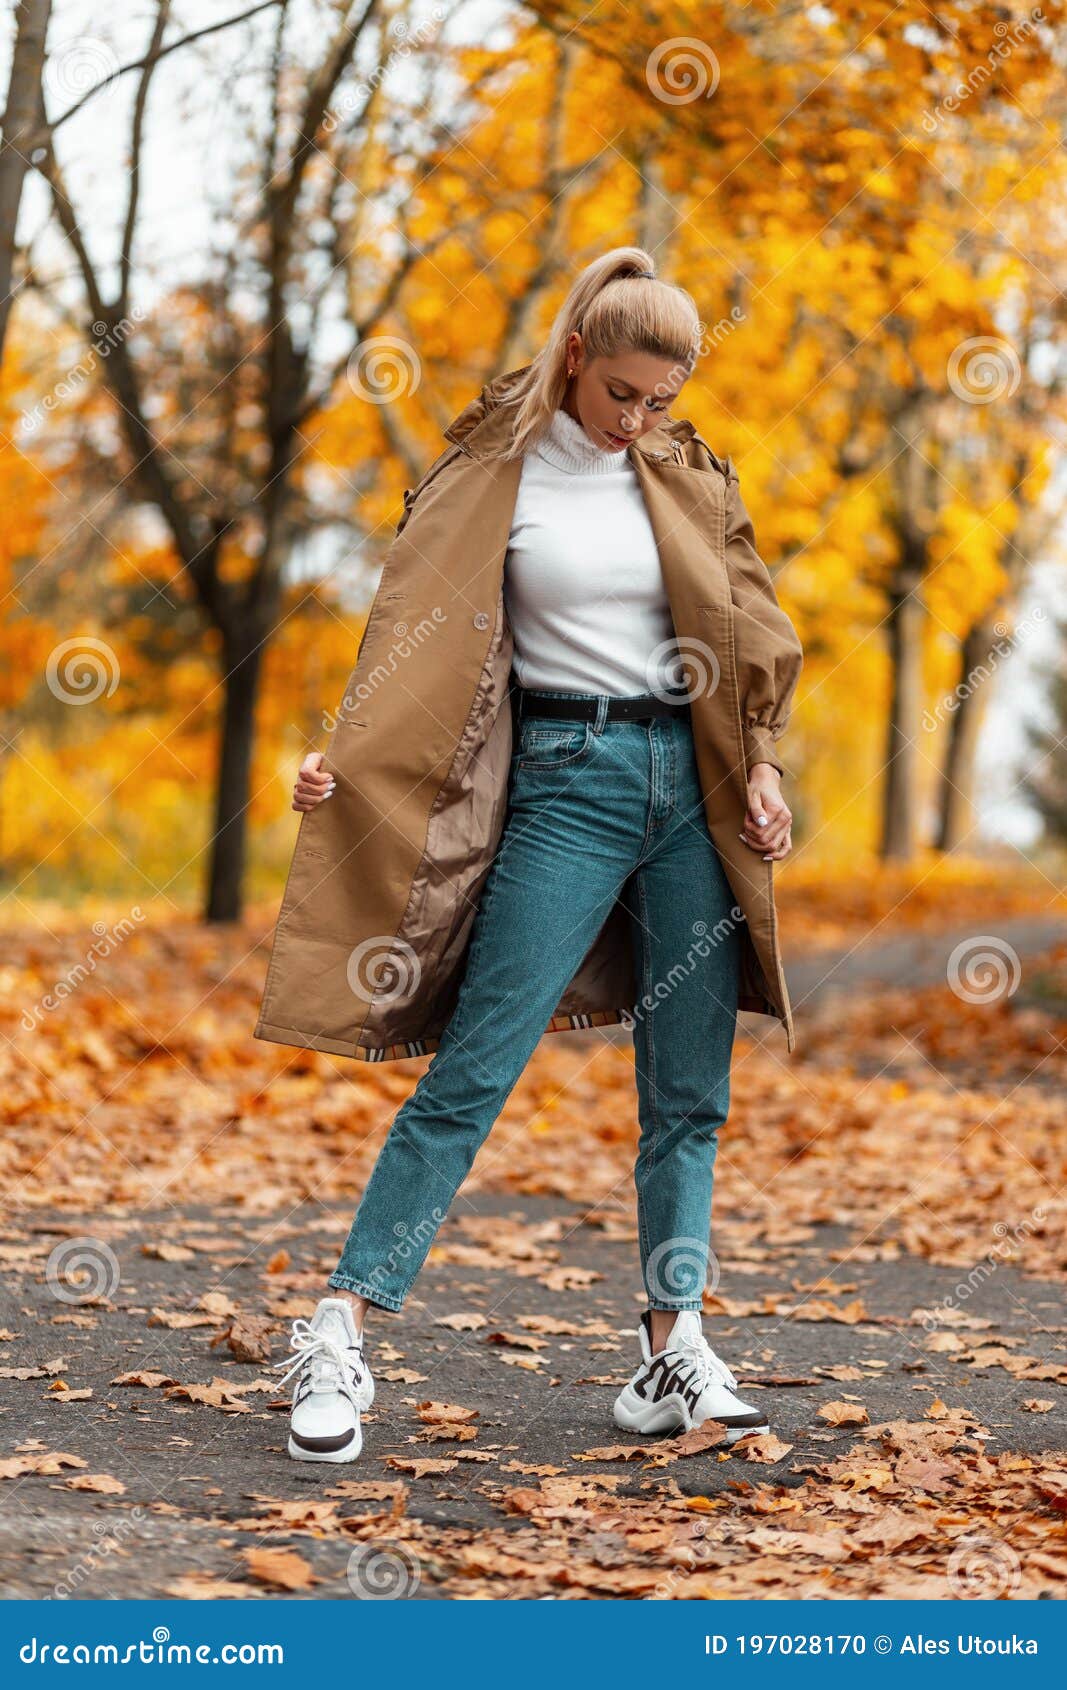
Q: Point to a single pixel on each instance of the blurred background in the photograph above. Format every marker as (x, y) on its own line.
(256, 257)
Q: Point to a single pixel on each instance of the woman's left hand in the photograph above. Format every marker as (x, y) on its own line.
(769, 820)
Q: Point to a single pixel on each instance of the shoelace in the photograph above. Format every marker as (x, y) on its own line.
(327, 1357)
(707, 1365)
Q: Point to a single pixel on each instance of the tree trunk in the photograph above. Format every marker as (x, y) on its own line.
(22, 114)
(956, 802)
(226, 866)
(904, 630)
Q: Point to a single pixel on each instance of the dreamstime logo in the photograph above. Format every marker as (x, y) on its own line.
(109, 1535)
(695, 1556)
(681, 1267)
(682, 70)
(715, 333)
(81, 670)
(983, 369)
(408, 640)
(383, 369)
(1008, 1248)
(1001, 646)
(698, 951)
(700, 666)
(383, 1572)
(1008, 37)
(409, 1242)
(77, 68)
(106, 336)
(106, 942)
(984, 968)
(384, 968)
(410, 40)
(82, 1270)
(983, 1569)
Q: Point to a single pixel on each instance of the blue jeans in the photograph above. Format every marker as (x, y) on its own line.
(596, 810)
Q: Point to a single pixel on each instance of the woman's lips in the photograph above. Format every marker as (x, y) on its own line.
(618, 440)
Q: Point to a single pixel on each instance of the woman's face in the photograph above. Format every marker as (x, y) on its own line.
(617, 399)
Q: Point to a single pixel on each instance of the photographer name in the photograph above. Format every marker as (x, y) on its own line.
(971, 1645)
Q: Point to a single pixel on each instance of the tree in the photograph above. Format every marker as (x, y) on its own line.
(1045, 781)
(21, 121)
(231, 527)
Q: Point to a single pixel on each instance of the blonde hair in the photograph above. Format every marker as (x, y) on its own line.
(617, 304)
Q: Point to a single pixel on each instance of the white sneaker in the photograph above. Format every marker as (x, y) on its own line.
(333, 1384)
(683, 1385)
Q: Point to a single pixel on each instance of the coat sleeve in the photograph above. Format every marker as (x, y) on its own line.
(768, 650)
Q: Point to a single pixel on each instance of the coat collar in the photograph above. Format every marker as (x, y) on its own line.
(485, 424)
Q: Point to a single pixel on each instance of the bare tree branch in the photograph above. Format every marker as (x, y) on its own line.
(136, 139)
(170, 47)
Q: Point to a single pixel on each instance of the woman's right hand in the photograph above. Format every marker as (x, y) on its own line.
(313, 783)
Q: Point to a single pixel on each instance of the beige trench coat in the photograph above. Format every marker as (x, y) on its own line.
(372, 935)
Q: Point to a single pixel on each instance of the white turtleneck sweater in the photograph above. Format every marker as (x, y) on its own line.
(583, 588)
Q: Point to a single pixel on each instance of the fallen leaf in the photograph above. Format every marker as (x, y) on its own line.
(102, 1483)
(142, 1377)
(517, 1340)
(218, 1303)
(849, 1314)
(249, 1338)
(14, 1466)
(764, 1447)
(282, 1568)
(569, 1278)
(664, 1450)
(844, 1414)
(178, 1320)
(419, 1467)
(526, 1467)
(219, 1394)
(165, 1252)
(371, 1490)
(441, 1431)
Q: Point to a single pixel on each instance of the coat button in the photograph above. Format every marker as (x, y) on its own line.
(481, 620)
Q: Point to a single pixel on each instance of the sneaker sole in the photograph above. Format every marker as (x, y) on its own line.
(670, 1414)
(349, 1453)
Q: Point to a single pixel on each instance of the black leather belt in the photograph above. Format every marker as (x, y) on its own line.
(582, 708)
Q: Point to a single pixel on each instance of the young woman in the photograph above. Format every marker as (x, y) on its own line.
(618, 521)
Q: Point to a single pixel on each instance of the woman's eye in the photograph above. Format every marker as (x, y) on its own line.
(621, 399)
